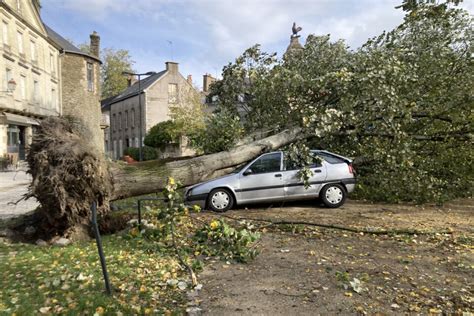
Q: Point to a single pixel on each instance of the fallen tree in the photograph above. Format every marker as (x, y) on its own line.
(150, 176)
(68, 175)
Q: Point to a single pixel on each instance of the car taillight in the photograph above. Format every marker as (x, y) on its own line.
(351, 169)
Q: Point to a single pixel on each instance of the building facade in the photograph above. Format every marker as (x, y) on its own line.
(42, 75)
(159, 93)
(80, 85)
(30, 75)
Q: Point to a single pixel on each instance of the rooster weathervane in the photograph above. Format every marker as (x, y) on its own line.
(295, 30)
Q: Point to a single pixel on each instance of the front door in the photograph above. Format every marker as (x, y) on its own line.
(21, 143)
(262, 180)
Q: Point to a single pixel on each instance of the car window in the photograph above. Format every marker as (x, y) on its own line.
(330, 158)
(238, 169)
(267, 163)
(293, 165)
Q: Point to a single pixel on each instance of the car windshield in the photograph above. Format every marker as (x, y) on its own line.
(239, 168)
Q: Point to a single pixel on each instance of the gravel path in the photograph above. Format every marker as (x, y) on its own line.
(13, 185)
(307, 270)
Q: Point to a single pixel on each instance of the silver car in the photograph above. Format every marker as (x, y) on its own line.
(270, 178)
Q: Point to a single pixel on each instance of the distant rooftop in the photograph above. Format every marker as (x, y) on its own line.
(65, 44)
(133, 89)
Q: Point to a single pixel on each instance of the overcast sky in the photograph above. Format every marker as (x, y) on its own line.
(204, 35)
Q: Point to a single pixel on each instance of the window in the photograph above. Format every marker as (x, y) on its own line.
(132, 117)
(13, 136)
(120, 121)
(8, 76)
(90, 77)
(5, 33)
(293, 165)
(20, 43)
(126, 121)
(23, 87)
(51, 63)
(115, 150)
(330, 158)
(114, 123)
(35, 90)
(172, 93)
(33, 51)
(267, 163)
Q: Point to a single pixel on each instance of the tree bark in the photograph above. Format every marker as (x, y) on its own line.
(151, 176)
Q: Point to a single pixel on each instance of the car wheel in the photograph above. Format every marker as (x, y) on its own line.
(220, 200)
(333, 195)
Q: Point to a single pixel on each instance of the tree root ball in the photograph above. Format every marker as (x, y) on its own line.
(68, 175)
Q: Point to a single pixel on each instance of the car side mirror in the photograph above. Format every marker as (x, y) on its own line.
(248, 172)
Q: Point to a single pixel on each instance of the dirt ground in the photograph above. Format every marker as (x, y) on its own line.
(306, 270)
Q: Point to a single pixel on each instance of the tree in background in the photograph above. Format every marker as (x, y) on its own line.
(207, 132)
(114, 62)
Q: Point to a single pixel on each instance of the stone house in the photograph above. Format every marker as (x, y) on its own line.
(42, 75)
(80, 83)
(158, 92)
(29, 64)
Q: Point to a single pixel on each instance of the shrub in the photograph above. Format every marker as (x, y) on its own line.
(149, 153)
(161, 134)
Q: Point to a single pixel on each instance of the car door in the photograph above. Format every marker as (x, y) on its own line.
(262, 180)
(294, 186)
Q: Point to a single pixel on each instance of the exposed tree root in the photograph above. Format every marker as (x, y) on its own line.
(67, 177)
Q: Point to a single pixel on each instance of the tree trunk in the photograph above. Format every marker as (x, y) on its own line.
(150, 176)
(69, 175)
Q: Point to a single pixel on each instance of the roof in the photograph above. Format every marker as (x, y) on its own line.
(65, 44)
(133, 89)
(106, 102)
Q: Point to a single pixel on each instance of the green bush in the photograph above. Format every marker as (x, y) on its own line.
(222, 132)
(149, 153)
(161, 134)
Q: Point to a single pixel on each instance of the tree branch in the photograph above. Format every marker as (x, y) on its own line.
(344, 228)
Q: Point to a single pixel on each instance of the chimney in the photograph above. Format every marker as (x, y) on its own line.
(131, 80)
(95, 44)
(189, 79)
(207, 80)
(172, 67)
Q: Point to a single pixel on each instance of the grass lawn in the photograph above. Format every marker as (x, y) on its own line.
(68, 280)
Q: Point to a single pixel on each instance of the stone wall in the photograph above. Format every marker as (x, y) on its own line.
(78, 101)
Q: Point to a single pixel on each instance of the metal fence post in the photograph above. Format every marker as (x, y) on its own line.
(139, 215)
(99, 247)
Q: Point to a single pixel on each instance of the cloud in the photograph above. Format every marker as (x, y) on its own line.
(104, 9)
(207, 34)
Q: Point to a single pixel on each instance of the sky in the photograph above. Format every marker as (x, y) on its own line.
(205, 35)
